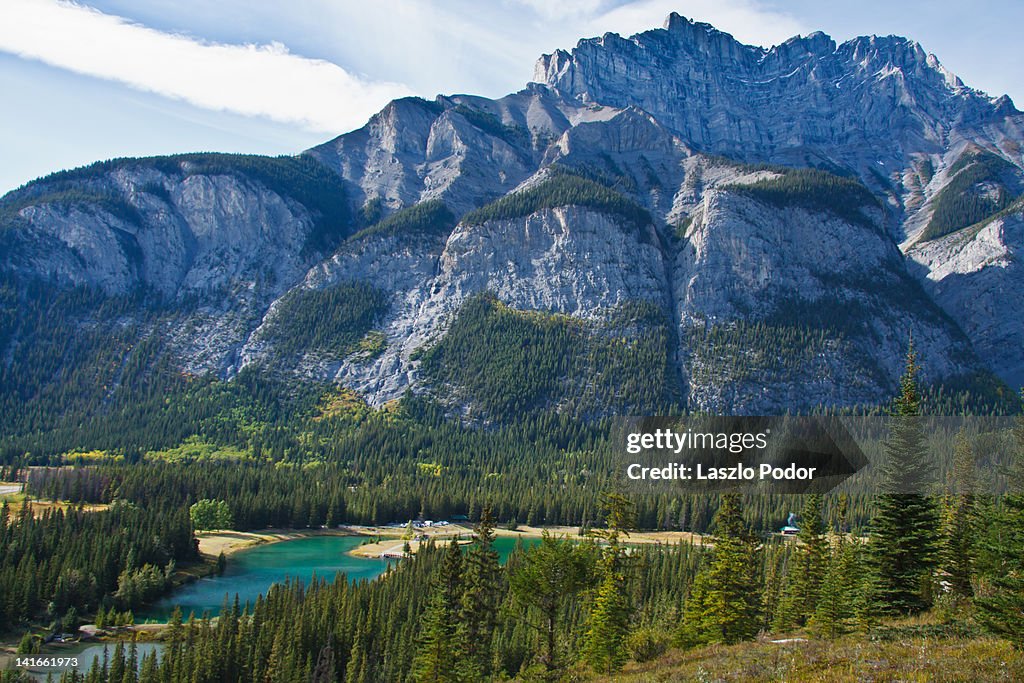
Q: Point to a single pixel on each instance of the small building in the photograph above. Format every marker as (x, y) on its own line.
(790, 529)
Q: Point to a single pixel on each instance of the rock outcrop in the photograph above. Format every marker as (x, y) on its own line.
(679, 152)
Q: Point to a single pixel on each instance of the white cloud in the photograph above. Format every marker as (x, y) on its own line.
(564, 9)
(747, 20)
(256, 80)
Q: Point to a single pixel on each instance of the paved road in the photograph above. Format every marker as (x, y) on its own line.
(7, 489)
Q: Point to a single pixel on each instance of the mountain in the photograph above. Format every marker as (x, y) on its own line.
(670, 219)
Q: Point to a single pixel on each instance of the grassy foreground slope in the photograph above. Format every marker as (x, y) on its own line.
(907, 650)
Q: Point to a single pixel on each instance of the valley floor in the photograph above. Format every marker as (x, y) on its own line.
(392, 543)
(389, 539)
(213, 543)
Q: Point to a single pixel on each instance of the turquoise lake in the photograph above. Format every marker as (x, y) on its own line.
(252, 571)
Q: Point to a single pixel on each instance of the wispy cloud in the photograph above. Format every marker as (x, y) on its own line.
(750, 21)
(747, 20)
(565, 9)
(256, 80)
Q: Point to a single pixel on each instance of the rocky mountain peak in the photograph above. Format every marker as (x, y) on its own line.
(762, 104)
(609, 202)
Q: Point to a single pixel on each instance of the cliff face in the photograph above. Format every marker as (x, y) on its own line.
(975, 276)
(791, 307)
(630, 175)
(771, 308)
(877, 106)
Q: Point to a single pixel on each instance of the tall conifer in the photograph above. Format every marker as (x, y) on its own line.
(808, 566)
(723, 602)
(905, 528)
(604, 643)
(958, 538)
(479, 602)
(436, 653)
(1002, 609)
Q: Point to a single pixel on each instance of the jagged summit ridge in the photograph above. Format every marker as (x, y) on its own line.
(807, 101)
(609, 201)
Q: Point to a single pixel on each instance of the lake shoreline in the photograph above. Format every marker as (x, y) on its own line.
(213, 543)
(391, 539)
(378, 540)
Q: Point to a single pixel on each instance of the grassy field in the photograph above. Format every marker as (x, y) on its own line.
(12, 494)
(213, 543)
(664, 537)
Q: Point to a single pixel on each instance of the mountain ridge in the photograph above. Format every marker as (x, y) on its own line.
(791, 274)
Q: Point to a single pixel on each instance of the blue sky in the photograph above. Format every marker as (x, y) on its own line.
(93, 80)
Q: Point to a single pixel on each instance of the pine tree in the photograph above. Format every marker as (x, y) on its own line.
(723, 603)
(1002, 609)
(479, 604)
(604, 645)
(905, 528)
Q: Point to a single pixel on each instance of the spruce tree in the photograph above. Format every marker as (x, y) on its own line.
(604, 645)
(959, 528)
(116, 670)
(1001, 610)
(836, 604)
(905, 528)
(549, 574)
(809, 563)
(773, 592)
(28, 645)
(479, 603)
(436, 652)
(355, 670)
(723, 603)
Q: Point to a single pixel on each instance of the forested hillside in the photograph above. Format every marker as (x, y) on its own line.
(449, 314)
(851, 571)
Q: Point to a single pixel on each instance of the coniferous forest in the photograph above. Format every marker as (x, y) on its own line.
(372, 413)
(881, 563)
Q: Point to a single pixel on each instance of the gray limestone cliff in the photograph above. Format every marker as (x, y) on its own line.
(795, 214)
